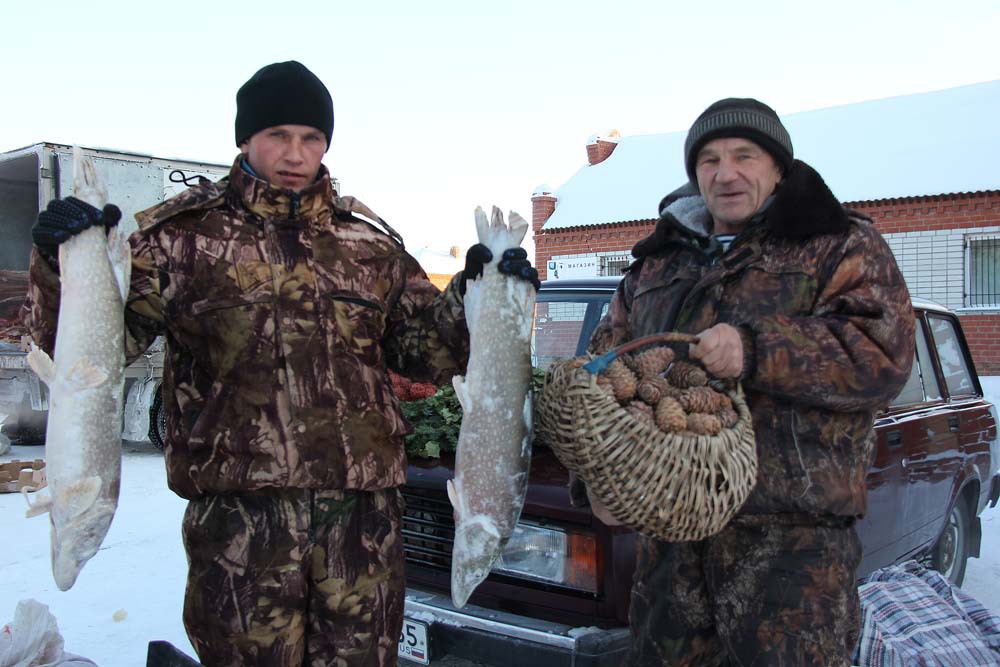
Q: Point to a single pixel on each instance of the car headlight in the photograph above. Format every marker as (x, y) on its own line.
(563, 557)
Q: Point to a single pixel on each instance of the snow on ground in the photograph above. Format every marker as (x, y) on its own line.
(141, 566)
(140, 569)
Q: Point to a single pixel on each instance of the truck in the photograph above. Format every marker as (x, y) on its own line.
(30, 177)
(559, 592)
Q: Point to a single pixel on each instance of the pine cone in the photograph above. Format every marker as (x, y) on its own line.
(672, 391)
(728, 417)
(629, 362)
(606, 386)
(700, 399)
(622, 379)
(652, 362)
(670, 416)
(702, 424)
(641, 411)
(683, 374)
(652, 389)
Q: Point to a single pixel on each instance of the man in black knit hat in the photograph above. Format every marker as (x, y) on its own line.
(283, 305)
(801, 301)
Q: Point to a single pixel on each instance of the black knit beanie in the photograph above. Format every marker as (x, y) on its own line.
(283, 94)
(739, 117)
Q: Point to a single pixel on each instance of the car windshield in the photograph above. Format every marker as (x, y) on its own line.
(564, 322)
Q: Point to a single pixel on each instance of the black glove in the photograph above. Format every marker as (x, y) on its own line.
(64, 218)
(475, 259)
(513, 262)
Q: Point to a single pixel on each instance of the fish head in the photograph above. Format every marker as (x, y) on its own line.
(477, 546)
(75, 541)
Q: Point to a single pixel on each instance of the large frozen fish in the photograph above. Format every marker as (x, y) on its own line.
(83, 435)
(494, 444)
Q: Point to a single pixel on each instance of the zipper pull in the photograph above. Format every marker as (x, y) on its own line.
(294, 206)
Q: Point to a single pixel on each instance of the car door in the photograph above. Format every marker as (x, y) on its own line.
(891, 528)
(935, 468)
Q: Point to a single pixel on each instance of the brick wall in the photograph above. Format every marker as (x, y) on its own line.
(933, 213)
(983, 334)
(619, 237)
(928, 236)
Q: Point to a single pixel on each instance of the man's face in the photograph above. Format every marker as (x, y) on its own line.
(286, 156)
(735, 177)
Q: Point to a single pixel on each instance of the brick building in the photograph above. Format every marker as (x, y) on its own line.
(921, 166)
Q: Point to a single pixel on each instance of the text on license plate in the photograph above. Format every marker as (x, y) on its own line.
(413, 642)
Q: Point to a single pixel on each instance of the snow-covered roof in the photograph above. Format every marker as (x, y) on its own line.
(941, 142)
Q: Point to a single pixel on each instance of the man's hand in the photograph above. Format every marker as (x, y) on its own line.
(513, 262)
(720, 350)
(64, 218)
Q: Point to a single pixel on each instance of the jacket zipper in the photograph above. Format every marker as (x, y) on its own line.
(272, 243)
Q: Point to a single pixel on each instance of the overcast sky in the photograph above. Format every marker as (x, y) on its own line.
(441, 106)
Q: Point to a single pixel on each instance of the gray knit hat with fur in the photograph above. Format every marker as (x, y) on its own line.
(739, 117)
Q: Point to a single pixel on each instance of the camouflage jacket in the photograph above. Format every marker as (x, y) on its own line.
(826, 322)
(281, 313)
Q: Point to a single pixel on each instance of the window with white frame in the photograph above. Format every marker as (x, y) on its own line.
(982, 271)
(614, 265)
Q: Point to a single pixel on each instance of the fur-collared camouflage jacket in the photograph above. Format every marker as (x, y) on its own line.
(281, 314)
(826, 323)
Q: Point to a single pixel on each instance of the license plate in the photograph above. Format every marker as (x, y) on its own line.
(413, 642)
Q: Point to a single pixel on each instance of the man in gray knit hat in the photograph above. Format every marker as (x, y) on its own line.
(801, 301)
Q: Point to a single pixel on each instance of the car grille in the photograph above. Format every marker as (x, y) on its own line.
(428, 529)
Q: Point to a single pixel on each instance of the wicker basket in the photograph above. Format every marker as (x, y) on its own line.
(676, 487)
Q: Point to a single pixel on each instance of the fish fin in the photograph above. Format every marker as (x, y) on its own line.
(518, 228)
(461, 392)
(454, 496)
(528, 413)
(482, 225)
(88, 186)
(85, 375)
(498, 235)
(38, 506)
(120, 254)
(42, 364)
(82, 494)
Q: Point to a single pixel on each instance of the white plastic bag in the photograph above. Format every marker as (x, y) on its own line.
(32, 639)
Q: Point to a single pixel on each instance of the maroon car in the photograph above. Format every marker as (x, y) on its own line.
(558, 595)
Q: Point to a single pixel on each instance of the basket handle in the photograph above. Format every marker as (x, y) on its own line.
(599, 364)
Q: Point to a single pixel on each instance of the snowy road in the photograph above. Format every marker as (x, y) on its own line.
(141, 567)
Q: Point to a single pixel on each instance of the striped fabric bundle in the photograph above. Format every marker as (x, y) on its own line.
(912, 616)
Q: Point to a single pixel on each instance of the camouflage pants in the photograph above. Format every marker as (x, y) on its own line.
(764, 595)
(295, 578)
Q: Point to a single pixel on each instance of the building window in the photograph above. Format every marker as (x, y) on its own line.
(982, 275)
(614, 265)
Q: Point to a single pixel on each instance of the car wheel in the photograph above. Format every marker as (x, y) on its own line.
(951, 552)
(157, 420)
